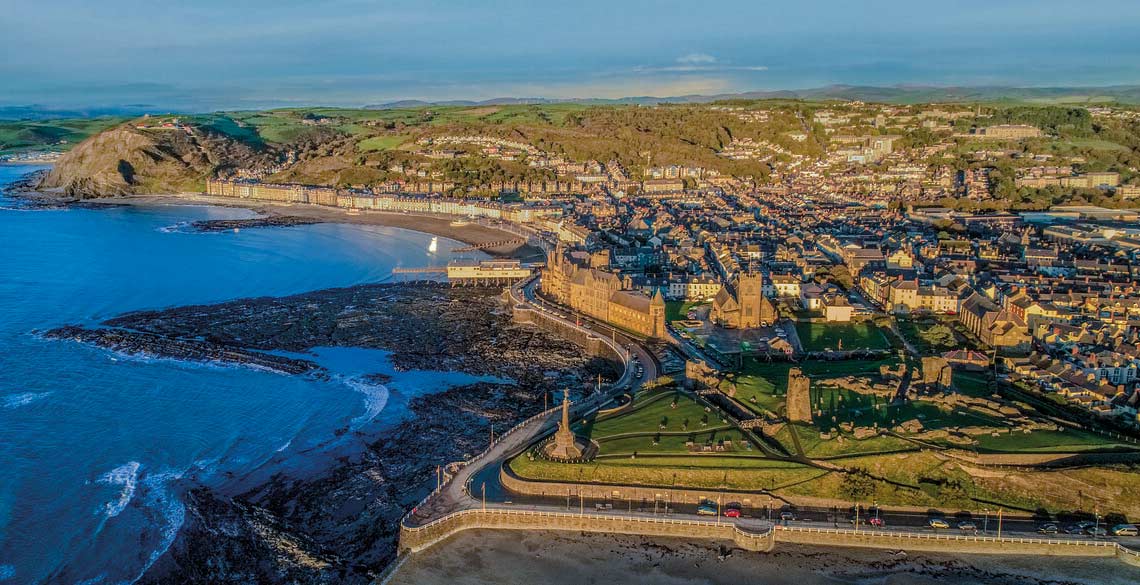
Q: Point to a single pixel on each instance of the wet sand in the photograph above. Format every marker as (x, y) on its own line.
(525, 558)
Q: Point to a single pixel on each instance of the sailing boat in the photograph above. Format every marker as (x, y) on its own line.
(434, 245)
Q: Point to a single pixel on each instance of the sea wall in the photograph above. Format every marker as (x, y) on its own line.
(946, 543)
(594, 344)
(417, 539)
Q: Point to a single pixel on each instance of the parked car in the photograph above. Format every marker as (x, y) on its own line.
(938, 523)
(1048, 529)
(967, 525)
(732, 513)
(877, 522)
(1125, 530)
(787, 516)
(706, 510)
(1096, 531)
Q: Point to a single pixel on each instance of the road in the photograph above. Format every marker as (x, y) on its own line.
(456, 494)
(476, 484)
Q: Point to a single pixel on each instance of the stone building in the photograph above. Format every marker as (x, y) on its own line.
(574, 279)
(743, 305)
(799, 396)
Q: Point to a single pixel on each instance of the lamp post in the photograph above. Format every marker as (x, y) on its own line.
(986, 525)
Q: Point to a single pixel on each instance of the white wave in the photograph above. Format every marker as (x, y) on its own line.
(125, 475)
(283, 447)
(375, 399)
(160, 496)
(93, 581)
(179, 227)
(7, 572)
(18, 400)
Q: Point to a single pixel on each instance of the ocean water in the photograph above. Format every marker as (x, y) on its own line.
(95, 446)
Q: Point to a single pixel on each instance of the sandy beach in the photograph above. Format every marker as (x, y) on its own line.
(470, 233)
(515, 557)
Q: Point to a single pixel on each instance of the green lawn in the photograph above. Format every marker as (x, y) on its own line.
(1067, 441)
(742, 473)
(768, 381)
(378, 143)
(686, 417)
(17, 136)
(678, 310)
(673, 443)
(823, 336)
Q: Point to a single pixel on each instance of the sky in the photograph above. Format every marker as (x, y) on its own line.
(230, 54)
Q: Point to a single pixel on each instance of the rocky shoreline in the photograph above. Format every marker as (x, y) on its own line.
(222, 225)
(338, 523)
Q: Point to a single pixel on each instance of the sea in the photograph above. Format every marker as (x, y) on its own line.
(97, 447)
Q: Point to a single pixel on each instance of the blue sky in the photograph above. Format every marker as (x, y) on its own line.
(251, 53)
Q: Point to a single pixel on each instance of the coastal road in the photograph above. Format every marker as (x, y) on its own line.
(456, 494)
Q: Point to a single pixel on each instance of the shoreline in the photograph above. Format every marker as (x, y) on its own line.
(471, 234)
(478, 556)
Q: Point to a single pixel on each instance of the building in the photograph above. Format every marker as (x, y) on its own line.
(574, 279)
(482, 272)
(743, 305)
(1009, 132)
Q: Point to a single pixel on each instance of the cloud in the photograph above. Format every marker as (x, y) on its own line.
(696, 59)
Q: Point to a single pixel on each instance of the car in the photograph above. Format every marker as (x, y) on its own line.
(1048, 529)
(786, 516)
(1096, 531)
(732, 513)
(1125, 530)
(877, 522)
(706, 510)
(967, 525)
(937, 523)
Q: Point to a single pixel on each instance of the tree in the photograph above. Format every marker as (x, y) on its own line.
(858, 485)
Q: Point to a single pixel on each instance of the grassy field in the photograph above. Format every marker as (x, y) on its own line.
(677, 310)
(18, 136)
(378, 143)
(673, 443)
(817, 448)
(1067, 441)
(697, 471)
(650, 418)
(918, 331)
(823, 336)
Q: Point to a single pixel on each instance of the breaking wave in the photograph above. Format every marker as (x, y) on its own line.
(18, 400)
(375, 399)
(126, 476)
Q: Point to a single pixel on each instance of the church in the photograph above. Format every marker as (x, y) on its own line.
(742, 305)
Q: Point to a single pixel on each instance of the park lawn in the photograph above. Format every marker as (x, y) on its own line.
(673, 443)
(1067, 441)
(839, 406)
(768, 381)
(679, 310)
(708, 471)
(913, 330)
(379, 143)
(817, 448)
(972, 383)
(648, 418)
(824, 336)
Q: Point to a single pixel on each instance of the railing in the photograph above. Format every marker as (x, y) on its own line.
(953, 537)
(519, 290)
(584, 516)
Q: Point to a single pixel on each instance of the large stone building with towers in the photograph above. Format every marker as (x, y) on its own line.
(584, 282)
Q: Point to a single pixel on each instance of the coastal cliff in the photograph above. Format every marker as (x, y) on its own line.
(127, 161)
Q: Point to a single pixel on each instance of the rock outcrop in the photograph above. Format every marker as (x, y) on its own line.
(126, 160)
